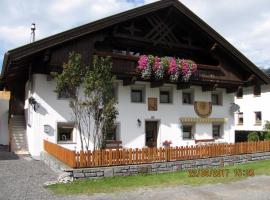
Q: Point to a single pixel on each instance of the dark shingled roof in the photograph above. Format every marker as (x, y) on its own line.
(71, 34)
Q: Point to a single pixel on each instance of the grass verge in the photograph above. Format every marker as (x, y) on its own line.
(107, 185)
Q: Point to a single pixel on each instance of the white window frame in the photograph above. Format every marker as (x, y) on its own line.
(258, 123)
(117, 134)
(238, 114)
(220, 98)
(191, 91)
(166, 89)
(221, 131)
(138, 87)
(192, 131)
(70, 123)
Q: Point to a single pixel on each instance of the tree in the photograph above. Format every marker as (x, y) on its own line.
(98, 87)
(91, 99)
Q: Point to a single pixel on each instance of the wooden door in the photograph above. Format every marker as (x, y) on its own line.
(151, 128)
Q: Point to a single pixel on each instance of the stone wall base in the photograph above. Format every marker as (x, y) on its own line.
(161, 167)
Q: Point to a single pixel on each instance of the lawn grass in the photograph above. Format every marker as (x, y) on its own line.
(114, 184)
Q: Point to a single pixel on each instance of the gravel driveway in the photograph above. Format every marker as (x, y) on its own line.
(22, 178)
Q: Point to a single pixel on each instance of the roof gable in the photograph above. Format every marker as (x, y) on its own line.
(55, 40)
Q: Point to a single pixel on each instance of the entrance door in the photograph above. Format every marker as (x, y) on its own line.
(151, 133)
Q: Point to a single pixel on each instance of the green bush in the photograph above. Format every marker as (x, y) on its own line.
(253, 136)
(267, 135)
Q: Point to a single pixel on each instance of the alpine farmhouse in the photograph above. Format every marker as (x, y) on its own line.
(190, 111)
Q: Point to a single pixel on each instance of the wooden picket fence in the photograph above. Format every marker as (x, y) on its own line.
(109, 157)
(65, 155)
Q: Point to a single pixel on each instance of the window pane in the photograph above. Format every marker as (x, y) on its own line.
(164, 97)
(187, 132)
(215, 99)
(216, 131)
(136, 95)
(65, 132)
(65, 93)
(240, 118)
(187, 98)
(258, 117)
(111, 134)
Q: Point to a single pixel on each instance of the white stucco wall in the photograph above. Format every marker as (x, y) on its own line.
(53, 110)
(250, 104)
(4, 135)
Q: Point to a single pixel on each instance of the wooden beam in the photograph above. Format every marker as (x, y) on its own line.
(181, 86)
(239, 92)
(251, 80)
(214, 46)
(156, 84)
(231, 90)
(129, 81)
(257, 90)
(211, 87)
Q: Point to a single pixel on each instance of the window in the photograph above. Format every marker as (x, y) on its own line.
(257, 90)
(137, 95)
(216, 130)
(240, 118)
(165, 95)
(239, 93)
(187, 97)
(258, 118)
(187, 132)
(113, 133)
(65, 94)
(65, 132)
(216, 98)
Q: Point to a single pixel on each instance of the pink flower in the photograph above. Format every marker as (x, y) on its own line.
(143, 60)
(156, 63)
(172, 66)
(185, 67)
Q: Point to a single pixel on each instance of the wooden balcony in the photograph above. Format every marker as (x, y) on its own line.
(125, 66)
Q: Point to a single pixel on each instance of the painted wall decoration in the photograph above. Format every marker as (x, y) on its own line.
(203, 108)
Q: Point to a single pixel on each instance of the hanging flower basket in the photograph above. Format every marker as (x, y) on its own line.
(188, 68)
(158, 68)
(145, 67)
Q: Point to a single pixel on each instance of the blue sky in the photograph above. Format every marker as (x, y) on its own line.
(244, 23)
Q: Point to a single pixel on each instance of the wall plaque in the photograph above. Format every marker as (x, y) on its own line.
(152, 104)
(203, 108)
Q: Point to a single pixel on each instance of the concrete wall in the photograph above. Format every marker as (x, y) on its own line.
(53, 110)
(250, 104)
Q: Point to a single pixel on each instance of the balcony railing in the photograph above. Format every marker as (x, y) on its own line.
(127, 64)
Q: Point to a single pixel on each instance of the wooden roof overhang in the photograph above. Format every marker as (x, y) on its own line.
(17, 62)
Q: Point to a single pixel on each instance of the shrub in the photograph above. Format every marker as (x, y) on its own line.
(267, 136)
(266, 126)
(253, 136)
